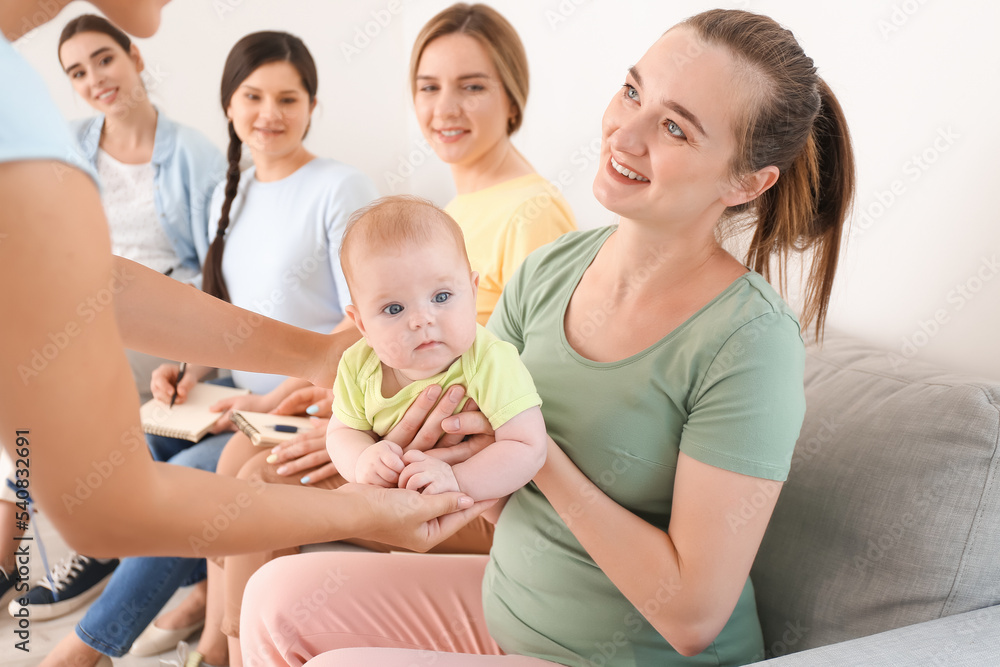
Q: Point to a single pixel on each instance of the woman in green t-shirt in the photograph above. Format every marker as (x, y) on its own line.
(671, 379)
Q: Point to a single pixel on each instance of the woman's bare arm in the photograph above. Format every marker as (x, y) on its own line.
(158, 315)
(696, 570)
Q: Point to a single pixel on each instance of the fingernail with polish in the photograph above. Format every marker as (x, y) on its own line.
(305, 480)
(273, 458)
(312, 409)
(282, 470)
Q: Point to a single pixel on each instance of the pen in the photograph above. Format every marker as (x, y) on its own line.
(283, 428)
(180, 376)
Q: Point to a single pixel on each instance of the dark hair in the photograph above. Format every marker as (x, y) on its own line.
(794, 123)
(248, 54)
(93, 23)
(498, 38)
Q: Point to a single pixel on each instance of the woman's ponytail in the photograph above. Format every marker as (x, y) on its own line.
(795, 124)
(834, 193)
(212, 280)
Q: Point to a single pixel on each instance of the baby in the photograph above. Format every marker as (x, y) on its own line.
(414, 301)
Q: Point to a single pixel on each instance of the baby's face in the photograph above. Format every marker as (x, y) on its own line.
(417, 307)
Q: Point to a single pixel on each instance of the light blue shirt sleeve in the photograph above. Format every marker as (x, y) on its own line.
(31, 127)
(355, 191)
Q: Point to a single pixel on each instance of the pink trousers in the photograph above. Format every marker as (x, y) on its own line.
(374, 609)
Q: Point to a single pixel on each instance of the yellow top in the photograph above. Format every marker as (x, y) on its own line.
(502, 225)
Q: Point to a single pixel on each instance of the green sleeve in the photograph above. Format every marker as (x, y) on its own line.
(348, 396)
(501, 385)
(537, 221)
(747, 414)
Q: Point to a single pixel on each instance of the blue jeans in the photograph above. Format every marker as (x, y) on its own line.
(139, 587)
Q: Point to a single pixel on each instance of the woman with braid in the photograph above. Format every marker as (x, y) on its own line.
(275, 251)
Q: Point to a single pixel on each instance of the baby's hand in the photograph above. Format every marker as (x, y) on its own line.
(426, 474)
(380, 464)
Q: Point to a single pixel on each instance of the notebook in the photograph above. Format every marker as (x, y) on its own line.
(260, 427)
(189, 420)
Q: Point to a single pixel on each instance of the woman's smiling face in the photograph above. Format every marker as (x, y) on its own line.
(102, 73)
(461, 104)
(271, 109)
(667, 136)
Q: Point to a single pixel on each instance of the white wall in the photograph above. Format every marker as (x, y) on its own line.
(918, 80)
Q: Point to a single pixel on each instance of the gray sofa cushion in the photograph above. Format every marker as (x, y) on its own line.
(891, 512)
(963, 640)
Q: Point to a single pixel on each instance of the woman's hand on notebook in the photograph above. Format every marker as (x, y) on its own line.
(164, 379)
(305, 452)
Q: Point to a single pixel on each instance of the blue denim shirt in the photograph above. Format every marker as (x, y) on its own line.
(186, 169)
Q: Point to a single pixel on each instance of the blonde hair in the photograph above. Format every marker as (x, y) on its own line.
(393, 223)
(496, 35)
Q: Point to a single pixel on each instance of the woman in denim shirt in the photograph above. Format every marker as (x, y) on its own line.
(157, 176)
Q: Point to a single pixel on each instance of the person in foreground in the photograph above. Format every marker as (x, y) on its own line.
(414, 301)
(157, 178)
(269, 80)
(671, 378)
(89, 306)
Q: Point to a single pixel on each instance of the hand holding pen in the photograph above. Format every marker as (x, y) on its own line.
(180, 376)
